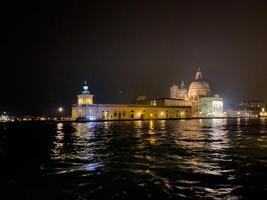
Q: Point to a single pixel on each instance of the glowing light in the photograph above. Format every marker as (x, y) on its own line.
(92, 118)
(162, 113)
(217, 106)
(152, 140)
(151, 127)
(60, 109)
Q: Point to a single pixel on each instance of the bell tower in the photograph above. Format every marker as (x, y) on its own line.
(85, 98)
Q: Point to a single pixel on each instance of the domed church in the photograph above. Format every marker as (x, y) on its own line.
(199, 96)
(196, 101)
(198, 88)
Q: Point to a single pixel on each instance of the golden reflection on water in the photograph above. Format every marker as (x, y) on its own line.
(151, 127)
(152, 140)
(152, 131)
(189, 136)
(159, 151)
(59, 142)
(204, 136)
(79, 147)
(175, 155)
(219, 136)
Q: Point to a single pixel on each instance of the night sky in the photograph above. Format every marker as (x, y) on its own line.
(128, 48)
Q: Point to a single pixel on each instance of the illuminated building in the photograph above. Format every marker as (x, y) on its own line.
(254, 106)
(167, 108)
(199, 96)
(263, 113)
(211, 107)
(5, 118)
(240, 113)
(196, 101)
(178, 92)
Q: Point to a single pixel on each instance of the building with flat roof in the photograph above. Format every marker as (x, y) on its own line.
(86, 110)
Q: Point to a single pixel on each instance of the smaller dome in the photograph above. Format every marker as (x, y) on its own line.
(85, 88)
(182, 88)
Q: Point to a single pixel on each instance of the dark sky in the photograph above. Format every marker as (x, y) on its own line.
(137, 47)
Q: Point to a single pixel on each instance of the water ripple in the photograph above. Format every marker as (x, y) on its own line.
(195, 159)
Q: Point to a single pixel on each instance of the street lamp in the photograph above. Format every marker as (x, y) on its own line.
(60, 110)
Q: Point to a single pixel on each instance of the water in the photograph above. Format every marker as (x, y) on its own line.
(172, 159)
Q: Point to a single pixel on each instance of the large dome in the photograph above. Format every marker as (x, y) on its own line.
(198, 87)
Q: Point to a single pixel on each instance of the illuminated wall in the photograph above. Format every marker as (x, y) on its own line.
(128, 111)
(217, 107)
(210, 107)
(85, 99)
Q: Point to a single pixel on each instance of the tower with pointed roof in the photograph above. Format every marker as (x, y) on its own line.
(82, 109)
(182, 92)
(198, 75)
(173, 91)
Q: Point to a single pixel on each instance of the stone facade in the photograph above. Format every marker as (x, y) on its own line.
(198, 92)
(167, 108)
(128, 112)
(196, 101)
(211, 107)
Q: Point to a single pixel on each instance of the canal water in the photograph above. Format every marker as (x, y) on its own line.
(165, 159)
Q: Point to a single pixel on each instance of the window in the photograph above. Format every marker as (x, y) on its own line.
(123, 113)
(115, 114)
(80, 101)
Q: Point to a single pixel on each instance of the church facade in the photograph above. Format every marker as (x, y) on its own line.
(196, 101)
(199, 95)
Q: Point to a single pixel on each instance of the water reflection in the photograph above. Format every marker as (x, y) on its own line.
(206, 158)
